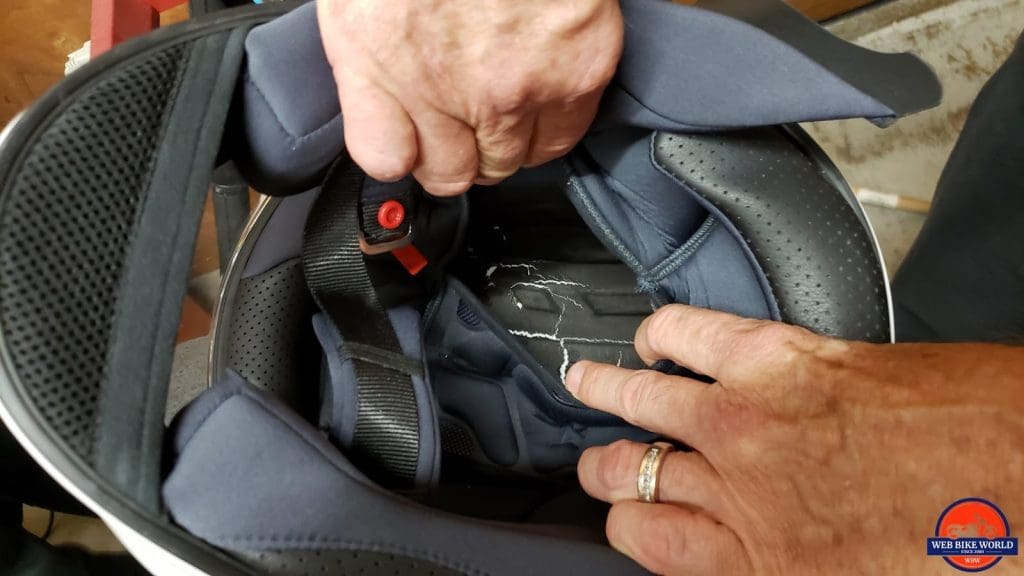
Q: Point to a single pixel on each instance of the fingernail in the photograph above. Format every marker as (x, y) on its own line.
(573, 377)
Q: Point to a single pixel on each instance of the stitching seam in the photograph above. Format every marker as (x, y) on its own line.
(294, 138)
(684, 252)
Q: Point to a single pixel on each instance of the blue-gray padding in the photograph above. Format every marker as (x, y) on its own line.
(289, 106)
(687, 68)
(661, 229)
(719, 276)
(281, 237)
(639, 201)
(339, 387)
(340, 390)
(249, 474)
(684, 68)
(521, 417)
(901, 81)
(726, 74)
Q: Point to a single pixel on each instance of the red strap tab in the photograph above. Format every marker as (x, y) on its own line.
(410, 257)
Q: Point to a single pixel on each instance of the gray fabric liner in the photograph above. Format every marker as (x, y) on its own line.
(523, 419)
(130, 422)
(286, 487)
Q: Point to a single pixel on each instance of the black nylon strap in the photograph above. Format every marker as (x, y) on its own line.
(387, 427)
(385, 358)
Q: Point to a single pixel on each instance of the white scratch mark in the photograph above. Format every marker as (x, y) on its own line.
(568, 339)
(563, 342)
(619, 361)
(565, 364)
(548, 282)
(530, 268)
(544, 285)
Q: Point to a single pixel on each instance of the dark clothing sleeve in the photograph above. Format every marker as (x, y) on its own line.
(963, 279)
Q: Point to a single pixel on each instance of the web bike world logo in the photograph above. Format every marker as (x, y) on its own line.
(972, 535)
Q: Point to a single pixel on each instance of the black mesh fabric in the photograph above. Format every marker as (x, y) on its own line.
(65, 227)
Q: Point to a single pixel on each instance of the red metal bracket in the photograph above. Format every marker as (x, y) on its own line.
(114, 21)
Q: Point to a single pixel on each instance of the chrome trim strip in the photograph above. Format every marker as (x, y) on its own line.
(264, 210)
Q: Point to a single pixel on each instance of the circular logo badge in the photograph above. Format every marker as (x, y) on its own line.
(972, 535)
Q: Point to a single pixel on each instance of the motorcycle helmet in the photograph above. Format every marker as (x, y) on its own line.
(386, 367)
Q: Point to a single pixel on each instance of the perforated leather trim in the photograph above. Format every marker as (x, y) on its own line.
(817, 255)
(336, 562)
(271, 343)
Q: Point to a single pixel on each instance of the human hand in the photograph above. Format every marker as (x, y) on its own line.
(464, 91)
(811, 455)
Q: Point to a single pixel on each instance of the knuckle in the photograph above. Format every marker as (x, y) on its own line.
(500, 163)
(739, 423)
(499, 141)
(598, 75)
(665, 548)
(637, 392)
(544, 151)
(510, 97)
(501, 152)
(662, 327)
(615, 528)
(775, 332)
(617, 464)
(785, 342)
(603, 65)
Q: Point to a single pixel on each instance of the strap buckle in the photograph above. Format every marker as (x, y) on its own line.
(386, 226)
(373, 249)
(391, 231)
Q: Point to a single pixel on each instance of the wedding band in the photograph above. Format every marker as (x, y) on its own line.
(650, 466)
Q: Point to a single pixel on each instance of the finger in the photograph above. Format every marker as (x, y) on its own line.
(379, 135)
(667, 539)
(502, 146)
(663, 404)
(559, 127)
(447, 163)
(609, 473)
(720, 345)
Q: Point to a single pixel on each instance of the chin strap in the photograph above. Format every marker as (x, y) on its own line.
(386, 441)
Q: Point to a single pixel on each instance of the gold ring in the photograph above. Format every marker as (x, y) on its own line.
(650, 466)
